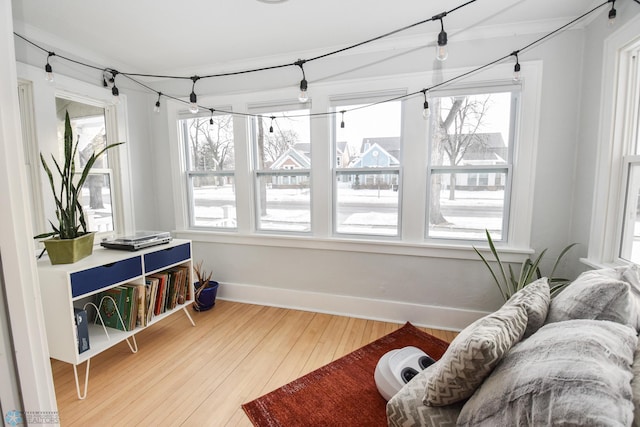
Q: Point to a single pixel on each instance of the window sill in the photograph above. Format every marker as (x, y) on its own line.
(427, 250)
(596, 265)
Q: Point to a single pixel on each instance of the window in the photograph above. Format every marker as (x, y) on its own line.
(209, 146)
(367, 162)
(89, 127)
(282, 167)
(630, 237)
(470, 164)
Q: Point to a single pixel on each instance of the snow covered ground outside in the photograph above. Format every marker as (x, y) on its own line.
(369, 211)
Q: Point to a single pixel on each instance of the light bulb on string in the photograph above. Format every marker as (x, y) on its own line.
(612, 13)
(211, 125)
(48, 69)
(116, 94)
(108, 78)
(426, 111)
(156, 108)
(516, 69)
(342, 120)
(271, 127)
(304, 95)
(442, 51)
(193, 98)
(114, 89)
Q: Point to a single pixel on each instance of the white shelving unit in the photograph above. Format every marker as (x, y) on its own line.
(66, 286)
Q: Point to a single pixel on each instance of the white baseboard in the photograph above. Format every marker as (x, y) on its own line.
(447, 318)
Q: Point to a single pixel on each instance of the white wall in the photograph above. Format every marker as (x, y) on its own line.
(18, 267)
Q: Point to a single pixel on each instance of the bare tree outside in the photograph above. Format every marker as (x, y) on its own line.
(281, 141)
(212, 144)
(468, 134)
(460, 128)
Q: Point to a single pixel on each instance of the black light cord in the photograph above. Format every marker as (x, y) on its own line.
(272, 67)
(301, 61)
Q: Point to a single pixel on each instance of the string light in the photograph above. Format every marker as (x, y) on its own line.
(193, 98)
(304, 96)
(114, 90)
(47, 68)
(442, 52)
(516, 68)
(612, 12)
(342, 121)
(271, 127)
(108, 78)
(156, 108)
(211, 120)
(426, 111)
(109, 74)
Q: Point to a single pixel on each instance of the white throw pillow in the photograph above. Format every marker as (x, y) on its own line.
(599, 295)
(576, 372)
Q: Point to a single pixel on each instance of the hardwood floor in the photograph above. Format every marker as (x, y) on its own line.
(199, 376)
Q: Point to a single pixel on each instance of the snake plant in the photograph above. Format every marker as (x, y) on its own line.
(529, 271)
(71, 221)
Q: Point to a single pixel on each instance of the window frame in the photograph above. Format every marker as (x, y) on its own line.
(630, 140)
(190, 174)
(610, 180)
(262, 111)
(508, 169)
(115, 184)
(414, 130)
(38, 112)
(336, 104)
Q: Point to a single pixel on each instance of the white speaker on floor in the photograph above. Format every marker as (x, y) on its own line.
(397, 367)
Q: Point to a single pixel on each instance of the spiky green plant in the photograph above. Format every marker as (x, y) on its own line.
(529, 271)
(71, 221)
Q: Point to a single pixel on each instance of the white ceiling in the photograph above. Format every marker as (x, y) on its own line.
(204, 36)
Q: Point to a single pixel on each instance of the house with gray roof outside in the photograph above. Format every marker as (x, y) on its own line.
(485, 149)
(296, 157)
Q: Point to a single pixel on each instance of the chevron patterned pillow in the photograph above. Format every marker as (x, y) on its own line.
(473, 354)
(405, 408)
(535, 297)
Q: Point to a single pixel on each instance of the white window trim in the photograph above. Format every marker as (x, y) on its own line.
(277, 106)
(508, 168)
(413, 230)
(606, 227)
(189, 174)
(337, 102)
(45, 140)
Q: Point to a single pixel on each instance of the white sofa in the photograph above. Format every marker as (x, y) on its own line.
(571, 360)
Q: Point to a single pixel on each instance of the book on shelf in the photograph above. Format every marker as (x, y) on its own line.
(178, 286)
(110, 302)
(151, 283)
(161, 297)
(137, 309)
(82, 329)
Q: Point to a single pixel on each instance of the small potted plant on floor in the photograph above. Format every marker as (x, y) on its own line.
(69, 241)
(206, 289)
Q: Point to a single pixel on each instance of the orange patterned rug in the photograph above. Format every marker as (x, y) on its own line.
(342, 393)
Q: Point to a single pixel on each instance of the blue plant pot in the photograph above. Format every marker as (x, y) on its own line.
(207, 298)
